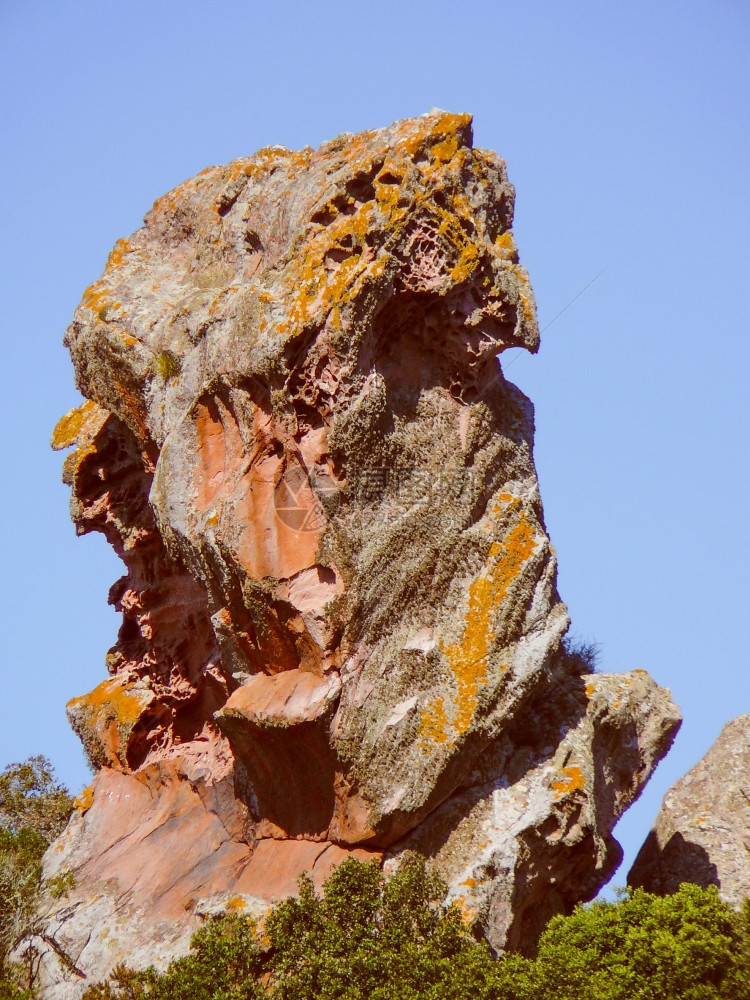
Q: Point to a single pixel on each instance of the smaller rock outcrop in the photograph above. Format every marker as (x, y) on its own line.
(531, 833)
(702, 832)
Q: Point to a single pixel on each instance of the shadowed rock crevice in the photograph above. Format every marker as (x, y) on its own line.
(341, 627)
(662, 869)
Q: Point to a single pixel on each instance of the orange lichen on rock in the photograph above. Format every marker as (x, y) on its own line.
(468, 658)
(572, 782)
(84, 800)
(73, 425)
(106, 717)
(433, 723)
(467, 911)
(117, 254)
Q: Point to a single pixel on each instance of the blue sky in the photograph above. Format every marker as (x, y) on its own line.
(625, 130)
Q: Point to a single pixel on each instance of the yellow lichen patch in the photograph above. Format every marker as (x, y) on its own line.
(236, 903)
(467, 263)
(112, 700)
(387, 197)
(443, 131)
(314, 290)
(117, 254)
(73, 461)
(470, 882)
(468, 658)
(505, 241)
(85, 800)
(106, 718)
(527, 307)
(468, 913)
(315, 287)
(96, 297)
(433, 723)
(444, 151)
(590, 688)
(68, 428)
(572, 782)
(505, 244)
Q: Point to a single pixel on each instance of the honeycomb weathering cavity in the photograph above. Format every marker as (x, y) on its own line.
(341, 628)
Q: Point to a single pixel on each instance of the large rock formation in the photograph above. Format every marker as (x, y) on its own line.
(341, 629)
(702, 831)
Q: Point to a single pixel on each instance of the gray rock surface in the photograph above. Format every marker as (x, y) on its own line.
(702, 831)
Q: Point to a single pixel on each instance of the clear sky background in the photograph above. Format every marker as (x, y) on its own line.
(626, 129)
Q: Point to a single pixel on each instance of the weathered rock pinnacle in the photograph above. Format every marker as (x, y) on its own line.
(702, 832)
(341, 627)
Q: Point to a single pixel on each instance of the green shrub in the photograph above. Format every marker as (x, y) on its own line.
(167, 365)
(689, 946)
(224, 964)
(368, 937)
(34, 809)
(30, 796)
(365, 938)
(372, 938)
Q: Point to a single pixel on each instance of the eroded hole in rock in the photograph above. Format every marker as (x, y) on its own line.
(388, 177)
(253, 242)
(361, 189)
(324, 216)
(337, 255)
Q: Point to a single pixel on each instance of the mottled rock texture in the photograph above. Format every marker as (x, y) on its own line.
(702, 831)
(341, 627)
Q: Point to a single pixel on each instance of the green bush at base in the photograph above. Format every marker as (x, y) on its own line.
(368, 937)
(372, 938)
(689, 946)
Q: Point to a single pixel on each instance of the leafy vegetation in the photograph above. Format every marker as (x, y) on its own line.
(32, 798)
(365, 938)
(581, 656)
(34, 808)
(167, 365)
(370, 938)
(689, 946)
(375, 938)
